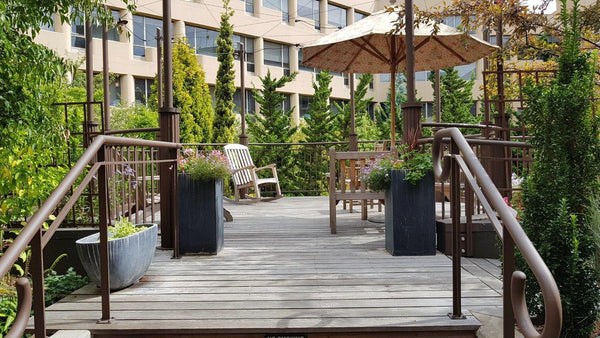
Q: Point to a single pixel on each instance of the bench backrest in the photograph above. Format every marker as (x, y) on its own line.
(345, 169)
(239, 157)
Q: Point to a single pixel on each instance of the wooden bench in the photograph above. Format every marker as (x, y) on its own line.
(344, 180)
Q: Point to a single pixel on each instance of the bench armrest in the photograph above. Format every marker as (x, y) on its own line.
(269, 166)
(248, 167)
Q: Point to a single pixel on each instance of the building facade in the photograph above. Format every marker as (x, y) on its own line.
(272, 32)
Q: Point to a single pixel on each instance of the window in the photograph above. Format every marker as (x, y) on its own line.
(309, 9)
(277, 55)
(248, 46)
(286, 105)
(279, 5)
(114, 92)
(422, 76)
(492, 39)
(304, 103)
(356, 80)
(202, 40)
(78, 31)
(336, 16)
(428, 112)
(385, 77)
(249, 6)
(335, 103)
(466, 72)
(144, 33)
(250, 103)
(48, 26)
(300, 66)
(142, 90)
(359, 16)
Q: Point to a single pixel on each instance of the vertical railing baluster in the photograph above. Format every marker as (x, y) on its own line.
(104, 258)
(37, 276)
(455, 214)
(508, 265)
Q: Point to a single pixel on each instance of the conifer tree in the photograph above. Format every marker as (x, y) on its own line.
(319, 127)
(342, 120)
(560, 195)
(456, 96)
(383, 113)
(223, 129)
(190, 95)
(272, 124)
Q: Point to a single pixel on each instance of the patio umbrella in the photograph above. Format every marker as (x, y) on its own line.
(368, 46)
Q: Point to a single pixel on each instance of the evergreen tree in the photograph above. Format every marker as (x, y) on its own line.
(272, 124)
(383, 113)
(456, 97)
(190, 95)
(319, 122)
(223, 130)
(342, 119)
(559, 213)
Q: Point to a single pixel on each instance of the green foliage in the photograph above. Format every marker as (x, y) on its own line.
(557, 194)
(191, 96)
(123, 228)
(318, 124)
(377, 174)
(457, 99)
(224, 87)
(342, 119)
(384, 112)
(134, 117)
(203, 166)
(58, 286)
(8, 312)
(272, 124)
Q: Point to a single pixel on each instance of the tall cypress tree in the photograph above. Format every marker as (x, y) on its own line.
(224, 86)
(272, 124)
(560, 196)
(318, 124)
(342, 120)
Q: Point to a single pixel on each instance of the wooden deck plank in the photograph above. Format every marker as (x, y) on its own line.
(282, 271)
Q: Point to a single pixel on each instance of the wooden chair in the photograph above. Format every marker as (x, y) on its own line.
(245, 174)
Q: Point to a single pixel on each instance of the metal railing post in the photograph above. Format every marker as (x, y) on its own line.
(104, 254)
(455, 214)
(508, 264)
(37, 276)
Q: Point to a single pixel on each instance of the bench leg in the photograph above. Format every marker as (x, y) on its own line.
(332, 215)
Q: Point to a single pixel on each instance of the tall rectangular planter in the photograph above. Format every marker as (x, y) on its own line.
(410, 216)
(200, 214)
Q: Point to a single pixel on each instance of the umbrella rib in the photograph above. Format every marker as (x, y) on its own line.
(318, 53)
(450, 50)
(371, 50)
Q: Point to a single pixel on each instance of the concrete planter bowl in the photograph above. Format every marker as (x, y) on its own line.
(129, 257)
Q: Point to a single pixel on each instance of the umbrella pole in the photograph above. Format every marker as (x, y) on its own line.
(353, 135)
(393, 108)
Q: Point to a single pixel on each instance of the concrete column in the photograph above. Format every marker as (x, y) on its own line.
(349, 16)
(323, 16)
(259, 57)
(125, 35)
(295, 102)
(127, 89)
(293, 59)
(293, 10)
(257, 6)
(179, 29)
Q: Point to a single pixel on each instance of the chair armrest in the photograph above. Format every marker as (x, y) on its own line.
(248, 167)
(269, 166)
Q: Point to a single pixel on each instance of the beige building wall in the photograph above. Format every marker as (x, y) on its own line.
(264, 25)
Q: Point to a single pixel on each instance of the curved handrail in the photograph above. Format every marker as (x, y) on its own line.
(34, 224)
(550, 292)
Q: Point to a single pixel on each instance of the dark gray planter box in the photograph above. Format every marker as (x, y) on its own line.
(200, 215)
(129, 257)
(410, 216)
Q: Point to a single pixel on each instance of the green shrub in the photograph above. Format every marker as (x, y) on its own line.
(123, 228)
(58, 286)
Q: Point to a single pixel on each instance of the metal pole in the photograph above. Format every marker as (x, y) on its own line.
(103, 227)
(105, 76)
(89, 124)
(169, 132)
(159, 79)
(37, 277)
(438, 97)
(508, 254)
(353, 135)
(243, 136)
(411, 110)
(456, 252)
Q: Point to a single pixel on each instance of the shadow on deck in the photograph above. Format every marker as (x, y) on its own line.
(282, 274)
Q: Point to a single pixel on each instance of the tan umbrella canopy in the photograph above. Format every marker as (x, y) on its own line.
(368, 46)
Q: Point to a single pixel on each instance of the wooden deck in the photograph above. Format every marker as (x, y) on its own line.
(282, 274)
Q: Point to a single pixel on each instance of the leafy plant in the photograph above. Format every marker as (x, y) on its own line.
(58, 286)
(123, 228)
(377, 174)
(203, 166)
(224, 86)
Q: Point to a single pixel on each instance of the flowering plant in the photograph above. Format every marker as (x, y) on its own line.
(377, 173)
(203, 166)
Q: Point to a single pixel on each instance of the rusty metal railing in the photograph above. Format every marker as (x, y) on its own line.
(462, 158)
(100, 161)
